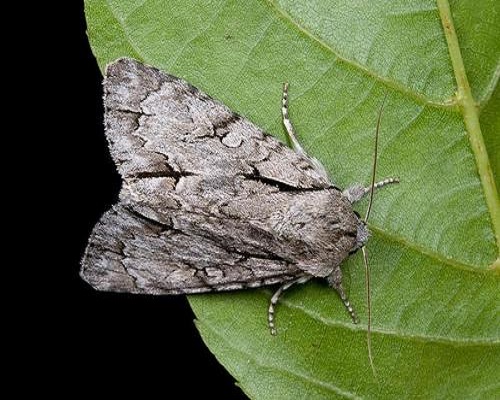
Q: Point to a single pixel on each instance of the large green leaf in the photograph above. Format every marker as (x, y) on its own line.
(435, 282)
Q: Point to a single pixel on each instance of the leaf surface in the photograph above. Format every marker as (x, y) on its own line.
(435, 281)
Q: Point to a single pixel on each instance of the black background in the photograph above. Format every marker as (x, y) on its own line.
(113, 344)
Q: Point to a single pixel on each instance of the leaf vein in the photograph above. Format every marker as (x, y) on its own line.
(418, 97)
(295, 374)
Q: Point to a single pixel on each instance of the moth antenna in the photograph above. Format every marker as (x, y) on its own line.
(374, 167)
(363, 249)
(369, 308)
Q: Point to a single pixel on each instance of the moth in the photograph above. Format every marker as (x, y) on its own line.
(209, 202)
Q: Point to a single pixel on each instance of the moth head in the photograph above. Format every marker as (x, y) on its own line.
(362, 234)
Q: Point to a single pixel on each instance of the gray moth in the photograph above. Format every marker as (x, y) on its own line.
(210, 202)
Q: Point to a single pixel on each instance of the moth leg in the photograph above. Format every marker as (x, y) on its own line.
(275, 298)
(288, 124)
(356, 192)
(293, 138)
(335, 281)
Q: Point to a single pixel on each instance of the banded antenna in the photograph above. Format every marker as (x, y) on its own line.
(363, 249)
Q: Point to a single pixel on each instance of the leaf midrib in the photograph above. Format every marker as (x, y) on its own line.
(470, 116)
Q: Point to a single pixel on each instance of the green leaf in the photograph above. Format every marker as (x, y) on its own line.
(435, 281)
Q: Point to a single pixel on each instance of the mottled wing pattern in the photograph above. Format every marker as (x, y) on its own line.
(128, 253)
(204, 193)
(159, 124)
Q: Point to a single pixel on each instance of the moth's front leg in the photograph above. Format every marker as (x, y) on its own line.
(335, 281)
(293, 138)
(276, 296)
